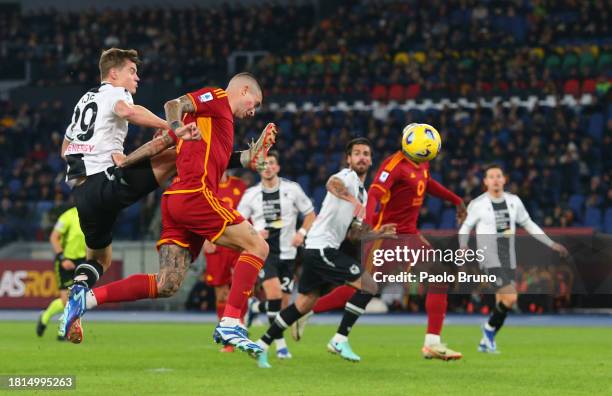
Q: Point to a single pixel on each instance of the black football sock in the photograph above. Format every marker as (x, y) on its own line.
(353, 309)
(262, 307)
(283, 320)
(88, 273)
(500, 311)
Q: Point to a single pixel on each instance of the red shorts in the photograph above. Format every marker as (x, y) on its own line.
(189, 219)
(220, 265)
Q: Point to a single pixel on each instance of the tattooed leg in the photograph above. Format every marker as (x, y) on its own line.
(174, 262)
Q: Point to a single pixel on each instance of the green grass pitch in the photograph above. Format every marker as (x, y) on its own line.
(169, 358)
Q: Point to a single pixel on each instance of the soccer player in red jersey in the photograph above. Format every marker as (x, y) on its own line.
(220, 260)
(192, 211)
(396, 196)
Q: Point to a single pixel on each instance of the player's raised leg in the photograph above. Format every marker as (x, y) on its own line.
(174, 262)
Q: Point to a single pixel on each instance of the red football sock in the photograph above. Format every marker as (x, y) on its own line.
(245, 307)
(335, 299)
(435, 305)
(245, 274)
(134, 287)
(220, 309)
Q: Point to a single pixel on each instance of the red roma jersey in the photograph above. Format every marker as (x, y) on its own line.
(403, 184)
(201, 163)
(231, 191)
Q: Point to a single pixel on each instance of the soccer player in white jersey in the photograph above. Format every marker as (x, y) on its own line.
(495, 214)
(273, 205)
(324, 266)
(97, 132)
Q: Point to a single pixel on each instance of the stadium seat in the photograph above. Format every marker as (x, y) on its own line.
(434, 205)
(607, 226)
(448, 219)
(401, 58)
(589, 86)
(576, 204)
(571, 87)
(570, 60)
(396, 92)
(379, 92)
(304, 182)
(318, 196)
(592, 218)
(427, 226)
(605, 60)
(413, 91)
(596, 126)
(552, 61)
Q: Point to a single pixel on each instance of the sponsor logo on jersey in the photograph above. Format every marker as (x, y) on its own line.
(79, 148)
(383, 176)
(205, 97)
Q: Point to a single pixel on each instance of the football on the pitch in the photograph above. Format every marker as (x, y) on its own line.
(421, 142)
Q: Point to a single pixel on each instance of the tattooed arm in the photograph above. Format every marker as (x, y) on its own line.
(337, 187)
(155, 146)
(176, 108)
(360, 231)
(174, 261)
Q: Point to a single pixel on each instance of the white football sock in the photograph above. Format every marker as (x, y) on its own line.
(262, 344)
(432, 339)
(339, 338)
(90, 300)
(229, 322)
(280, 343)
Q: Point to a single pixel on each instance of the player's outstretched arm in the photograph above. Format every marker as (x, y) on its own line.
(337, 188)
(138, 115)
(153, 147)
(175, 109)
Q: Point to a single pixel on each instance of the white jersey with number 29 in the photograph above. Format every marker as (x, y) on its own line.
(95, 131)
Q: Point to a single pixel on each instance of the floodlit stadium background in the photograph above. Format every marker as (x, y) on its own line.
(525, 84)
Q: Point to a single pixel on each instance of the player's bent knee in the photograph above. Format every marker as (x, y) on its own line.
(367, 284)
(509, 299)
(257, 246)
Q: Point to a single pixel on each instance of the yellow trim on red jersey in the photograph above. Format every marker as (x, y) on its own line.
(251, 261)
(380, 188)
(165, 240)
(214, 239)
(216, 205)
(152, 290)
(395, 159)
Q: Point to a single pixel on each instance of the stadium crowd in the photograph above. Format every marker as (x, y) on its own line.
(385, 51)
(379, 50)
(556, 160)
